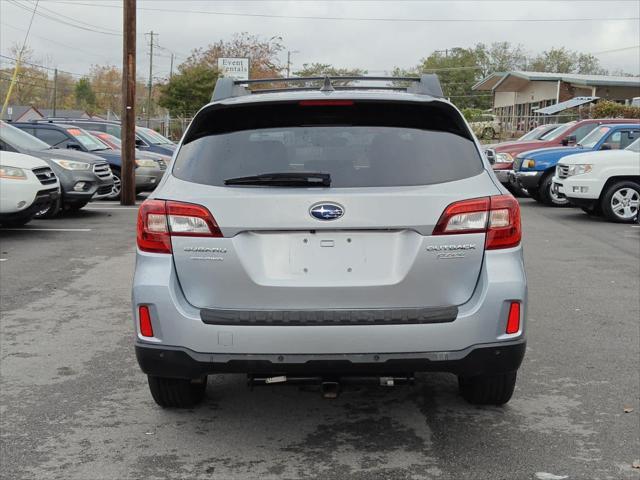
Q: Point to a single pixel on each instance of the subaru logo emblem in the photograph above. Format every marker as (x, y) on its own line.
(326, 211)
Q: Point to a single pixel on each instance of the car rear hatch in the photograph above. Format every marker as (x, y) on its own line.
(365, 241)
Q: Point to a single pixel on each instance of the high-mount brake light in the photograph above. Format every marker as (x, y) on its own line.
(325, 103)
(159, 220)
(498, 216)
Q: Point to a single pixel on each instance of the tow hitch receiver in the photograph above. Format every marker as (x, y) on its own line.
(330, 387)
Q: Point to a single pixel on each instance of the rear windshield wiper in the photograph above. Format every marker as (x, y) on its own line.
(285, 179)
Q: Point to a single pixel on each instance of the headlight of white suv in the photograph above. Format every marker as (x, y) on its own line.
(72, 165)
(579, 169)
(146, 163)
(12, 173)
(503, 158)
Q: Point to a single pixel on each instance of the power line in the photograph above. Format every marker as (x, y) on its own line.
(371, 19)
(64, 22)
(116, 32)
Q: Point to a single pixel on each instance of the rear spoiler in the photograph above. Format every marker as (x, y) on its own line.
(426, 84)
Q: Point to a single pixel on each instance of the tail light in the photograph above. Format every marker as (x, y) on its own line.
(498, 216)
(513, 320)
(146, 329)
(159, 220)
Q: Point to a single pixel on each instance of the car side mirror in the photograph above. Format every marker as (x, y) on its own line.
(569, 140)
(605, 146)
(74, 146)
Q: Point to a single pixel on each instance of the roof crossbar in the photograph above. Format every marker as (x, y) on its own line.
(426, 84)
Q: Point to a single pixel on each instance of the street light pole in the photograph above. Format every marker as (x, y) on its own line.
(128, 187)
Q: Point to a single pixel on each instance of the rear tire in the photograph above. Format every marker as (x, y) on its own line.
(547, 196)
(177, 392)
(621, 202)
(534, 193)
(488, 389)
(74, 207)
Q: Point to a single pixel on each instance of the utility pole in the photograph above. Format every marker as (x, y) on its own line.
(150, 77)
(55, 90)
(289, 52)
(128, 192)
(171, 68)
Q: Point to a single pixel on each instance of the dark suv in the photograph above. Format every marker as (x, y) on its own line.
(147, 139)
(83, 177)
(62, 135)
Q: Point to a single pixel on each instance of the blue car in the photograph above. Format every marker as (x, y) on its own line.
(533, 170)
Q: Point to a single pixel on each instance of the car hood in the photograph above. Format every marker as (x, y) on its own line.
(517, 147)
(12, 159)
(65, 154)
(552, 152)
(600, 157)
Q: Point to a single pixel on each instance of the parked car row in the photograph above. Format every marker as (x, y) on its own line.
(529, 166)
(85, 166)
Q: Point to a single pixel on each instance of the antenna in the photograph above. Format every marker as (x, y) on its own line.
(326, 85)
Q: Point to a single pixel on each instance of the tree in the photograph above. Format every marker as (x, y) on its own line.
(263, 54)
(561, 60)
(499, 57)
(458, 70)
(189, 89)
(85, 97)
(32, 84)
(321, 69)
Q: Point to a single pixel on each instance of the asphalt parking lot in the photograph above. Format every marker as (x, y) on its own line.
(74, 404)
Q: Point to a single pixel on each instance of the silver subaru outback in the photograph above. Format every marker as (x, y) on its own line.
(327, 233)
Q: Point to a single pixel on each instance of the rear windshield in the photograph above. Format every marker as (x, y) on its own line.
(359, 145)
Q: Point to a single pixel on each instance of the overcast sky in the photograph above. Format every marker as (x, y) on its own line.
(374, 45)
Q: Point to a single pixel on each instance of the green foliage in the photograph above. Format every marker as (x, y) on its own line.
(320, 69)
(85, 96)
(472, 114)
(189, 90)
(608, 109)
(561, 60)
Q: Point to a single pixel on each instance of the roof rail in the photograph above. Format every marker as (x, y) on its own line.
(425, 84)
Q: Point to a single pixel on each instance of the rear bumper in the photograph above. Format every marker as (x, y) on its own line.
(178, 362)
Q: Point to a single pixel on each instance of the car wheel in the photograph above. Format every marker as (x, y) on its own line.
(621, 202)
(534, 193)
(50, 210)
(177, 392)
(548, 196)
(488, 389)
(117, 185)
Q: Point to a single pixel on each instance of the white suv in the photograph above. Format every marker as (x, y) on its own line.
(27, 186)
(606, 182)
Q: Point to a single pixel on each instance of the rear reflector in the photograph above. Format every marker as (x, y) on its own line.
(145, 321)
(498, 216)
(325, 103)
(159, 220)
(513, 321)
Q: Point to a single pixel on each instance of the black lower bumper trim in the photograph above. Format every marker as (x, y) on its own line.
(179, 363)
(398, 316)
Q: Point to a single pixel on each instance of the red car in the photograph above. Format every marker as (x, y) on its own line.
(570, 133)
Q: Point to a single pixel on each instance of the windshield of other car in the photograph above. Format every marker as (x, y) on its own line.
(87, 140)
(20, 140)
(374, 145)
(594, 137)
(152, 136)
(558, 132)
(536, 133)
(635, 146)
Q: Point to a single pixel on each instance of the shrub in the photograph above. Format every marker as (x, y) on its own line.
(608, 109)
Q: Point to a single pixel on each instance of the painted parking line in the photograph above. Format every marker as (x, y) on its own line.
(110, 208)
(3, 259)
(26, 229)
